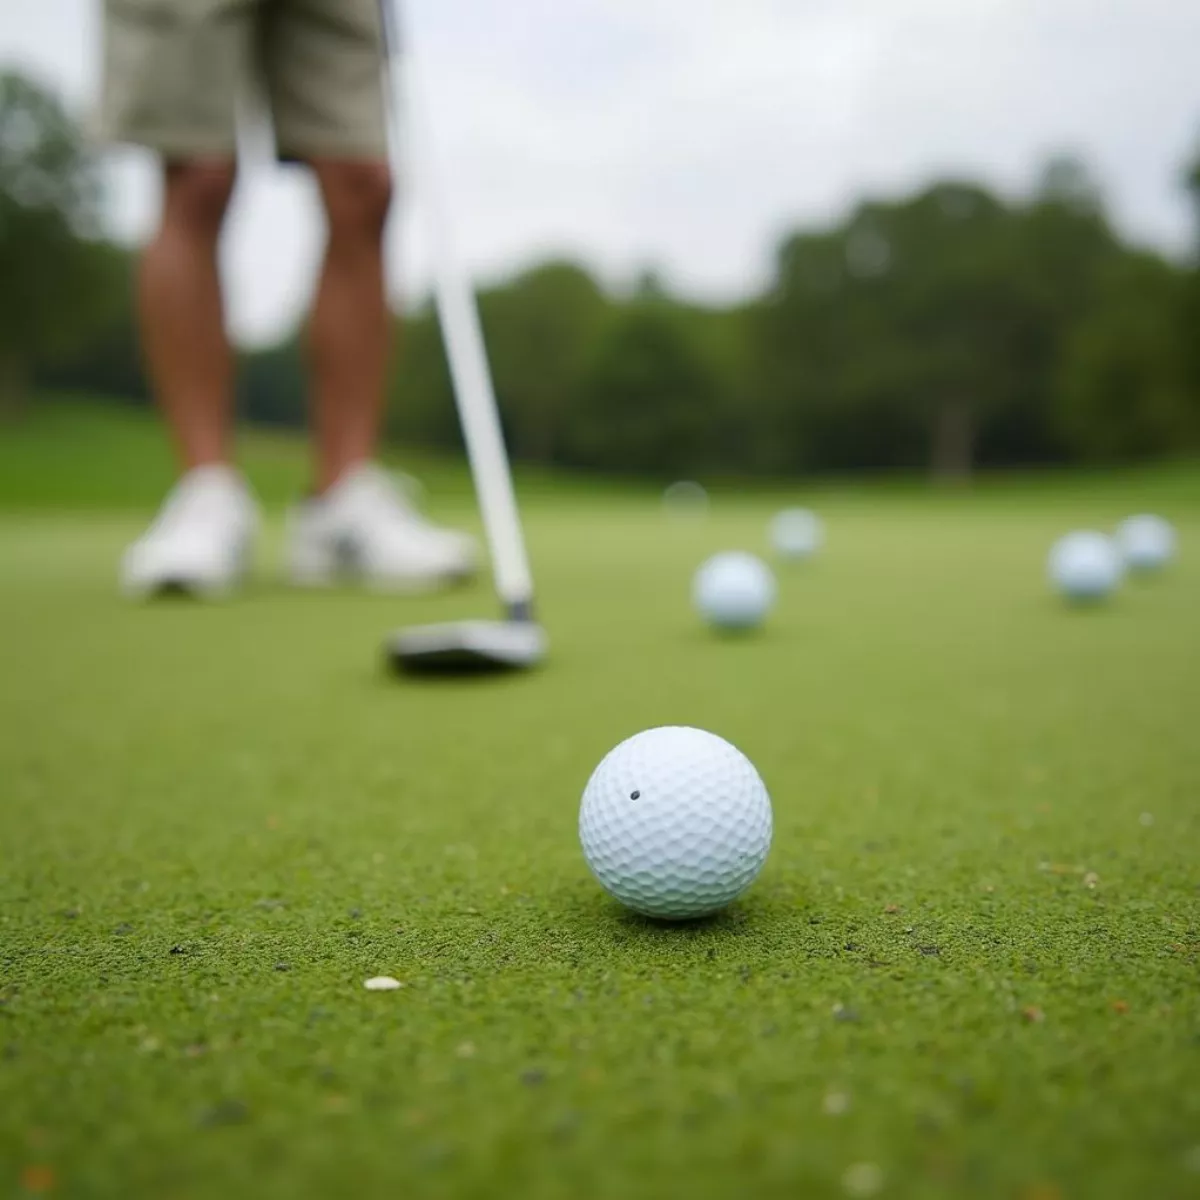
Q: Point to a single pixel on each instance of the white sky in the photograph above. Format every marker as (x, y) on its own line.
(689, 134)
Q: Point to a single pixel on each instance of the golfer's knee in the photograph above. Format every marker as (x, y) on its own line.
(197, 195)
(357, 196)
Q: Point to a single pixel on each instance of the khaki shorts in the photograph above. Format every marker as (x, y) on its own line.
(179, 73)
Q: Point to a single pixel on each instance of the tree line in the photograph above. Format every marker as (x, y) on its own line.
(946, 329)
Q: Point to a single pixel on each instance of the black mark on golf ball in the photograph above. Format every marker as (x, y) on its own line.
(635, 795)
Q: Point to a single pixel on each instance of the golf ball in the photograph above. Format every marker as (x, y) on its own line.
(1147, 542)
(1085, 566)
(796, 533)
(675, 823)
(685, 498)
(734, 590)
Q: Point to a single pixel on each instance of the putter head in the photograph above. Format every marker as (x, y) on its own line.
(467, 647)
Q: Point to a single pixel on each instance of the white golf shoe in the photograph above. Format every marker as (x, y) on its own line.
(366, 529)
(200, 541)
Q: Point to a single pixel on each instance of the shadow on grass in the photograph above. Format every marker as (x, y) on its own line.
(1060, 606)
(735, 917)
(762, 912)
(389, 675)
(703, 636)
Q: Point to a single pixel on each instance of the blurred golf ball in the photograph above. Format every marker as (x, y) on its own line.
(685, 498)
(796, 533)
(1085, 566)
(675, 823)
(1147, 543)
(734, 590)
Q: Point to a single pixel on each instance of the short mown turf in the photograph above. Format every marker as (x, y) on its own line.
(970, 967)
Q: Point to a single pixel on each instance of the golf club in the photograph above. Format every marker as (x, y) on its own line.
(517, 641)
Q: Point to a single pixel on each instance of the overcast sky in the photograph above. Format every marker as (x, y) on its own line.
(689, 134)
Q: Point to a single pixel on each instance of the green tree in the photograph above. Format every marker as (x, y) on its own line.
(1191, 180)
(542, 329)
(648, 400)
(106, 357)
(1189, 308)
(800, 335)
(955, 296)
(929, 329)
(903, 321)
(54, 280)
(420, 396)
(273, 385)
(1122, 382)
(1066, 247)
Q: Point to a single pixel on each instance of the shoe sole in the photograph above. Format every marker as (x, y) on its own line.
(181, 588)
(190, 587)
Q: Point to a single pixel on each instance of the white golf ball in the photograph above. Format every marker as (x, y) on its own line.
(685, 498)
(675, 823)
(734, 590)
(796, 533)
(1085, 566)
(1147, 542)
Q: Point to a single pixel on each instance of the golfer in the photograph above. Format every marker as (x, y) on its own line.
(177, 75)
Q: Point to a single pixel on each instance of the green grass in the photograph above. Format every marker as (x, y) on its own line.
(216, 822)
(72, 455)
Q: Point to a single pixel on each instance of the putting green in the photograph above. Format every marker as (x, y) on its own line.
(969, 968)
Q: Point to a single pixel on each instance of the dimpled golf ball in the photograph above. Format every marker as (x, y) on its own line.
(1147, 543)
(796, 533)
(734, 590)
(1085, 566)
(675, 823)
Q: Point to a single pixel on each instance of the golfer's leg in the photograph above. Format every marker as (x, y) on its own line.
(324, 71)
(349, 330)
(324, 64)
(182, 317)
(172, 71)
